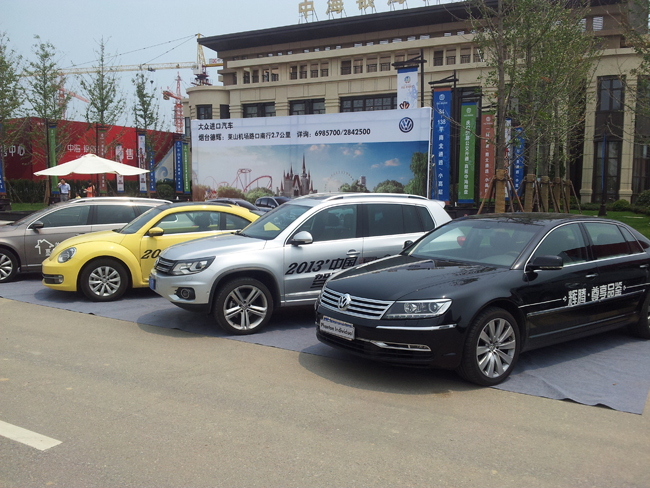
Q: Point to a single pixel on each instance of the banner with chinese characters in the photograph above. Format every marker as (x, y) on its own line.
(186, 168)
(305, 154)
(152, 174)
(467, 156)
(119, 156)
(487, 153)
(142, 161)
(407, 88)
(101, 134)
(178, 165)
(518, 144)
(441, 144)
(3, 190)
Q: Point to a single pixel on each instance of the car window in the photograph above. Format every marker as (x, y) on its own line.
(412, 222)
(384, 219)
(608, 242)
(333, 223)
(143, 208)
(566, 242)
(235, 222)
(135, 225)
(114, 214)
(185, 222)
(269, 225)
(69, 216)
(635, 246)
(427, 221)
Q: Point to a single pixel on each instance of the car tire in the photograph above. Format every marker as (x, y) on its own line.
(641, 329)
(243, 306)
(104, 280)
(491, 348)
(8, 265)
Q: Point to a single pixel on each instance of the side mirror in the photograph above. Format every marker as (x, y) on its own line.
(37, 225)
(406, 244)
(301, 238)
(155, 232)
(541, 263)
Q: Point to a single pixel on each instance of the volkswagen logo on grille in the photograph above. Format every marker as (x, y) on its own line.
(406, 124)
(344, 302)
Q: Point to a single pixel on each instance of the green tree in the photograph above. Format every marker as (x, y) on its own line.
(229, 192)
(256, 193)
(389, 186)
(11, 95)
(418, 185)
(355, 187)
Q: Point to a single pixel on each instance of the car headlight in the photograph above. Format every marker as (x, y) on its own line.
(191, 267)
(66, 254)
(418, 309)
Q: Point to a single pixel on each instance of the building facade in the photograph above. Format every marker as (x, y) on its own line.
(347, 65)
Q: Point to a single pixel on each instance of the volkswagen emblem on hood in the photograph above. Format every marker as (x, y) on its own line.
(344, 302)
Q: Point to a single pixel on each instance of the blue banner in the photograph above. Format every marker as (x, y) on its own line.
(3, 190)
(441, 144)
(152, 176)
(178, 165)
(518, 166)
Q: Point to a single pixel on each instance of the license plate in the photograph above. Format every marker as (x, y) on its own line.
(152, 283)
(337, 328)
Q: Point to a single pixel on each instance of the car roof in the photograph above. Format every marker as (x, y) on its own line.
(318, 198)
(76, 201)
(538, 218)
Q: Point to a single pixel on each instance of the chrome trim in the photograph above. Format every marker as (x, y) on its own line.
(398, 346)
(636, 286)
(433, 327)
(541, 303)
(365, 308)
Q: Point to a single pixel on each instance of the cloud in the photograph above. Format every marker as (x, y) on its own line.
(387, 164)
(317, 147)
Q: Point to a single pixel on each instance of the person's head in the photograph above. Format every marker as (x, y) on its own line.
(62, 180)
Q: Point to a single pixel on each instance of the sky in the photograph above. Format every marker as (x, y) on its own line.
(146, 31)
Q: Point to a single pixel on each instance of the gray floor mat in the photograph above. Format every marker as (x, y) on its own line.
(609, 369)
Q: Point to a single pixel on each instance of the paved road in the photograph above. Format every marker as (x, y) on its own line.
(135, 405)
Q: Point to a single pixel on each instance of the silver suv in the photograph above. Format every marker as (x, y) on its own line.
(285, 257)
(24, 244)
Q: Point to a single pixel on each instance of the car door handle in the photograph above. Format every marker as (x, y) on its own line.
(644, 266)
(591, 275)
(352, 252)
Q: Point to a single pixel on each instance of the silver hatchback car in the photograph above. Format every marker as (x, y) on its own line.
(285, 257)
(24, 244)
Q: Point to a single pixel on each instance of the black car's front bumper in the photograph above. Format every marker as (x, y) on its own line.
(409, 343)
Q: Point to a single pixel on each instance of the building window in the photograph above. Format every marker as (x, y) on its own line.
(293, 73)
(303, 72)
(358, 66)
(384, 63)
(346, 67)
(610, 94)
(247, 77)
(324, 72)
(188, 127)
(451, 59)
(313, 71)
(611, 163)
(259, 110)
(367, 104)
(256, 76)
(597, 23)
(307, 107)
(464, 58)
(640, 170)
(224, 111)
(204, 112)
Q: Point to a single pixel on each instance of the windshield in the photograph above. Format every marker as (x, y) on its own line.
(136, 224)
(495, 243)
(35, 215)
(269, 225)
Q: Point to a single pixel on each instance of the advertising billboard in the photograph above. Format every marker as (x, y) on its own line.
(304, 154)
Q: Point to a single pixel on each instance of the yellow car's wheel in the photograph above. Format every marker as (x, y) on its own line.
(103, 280)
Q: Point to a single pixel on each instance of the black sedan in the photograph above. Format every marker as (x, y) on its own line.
(474, 293)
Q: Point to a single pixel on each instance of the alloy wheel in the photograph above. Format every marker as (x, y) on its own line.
(245, 307)
(496, 347)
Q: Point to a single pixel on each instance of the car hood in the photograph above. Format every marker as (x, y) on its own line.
(12, 230)
(213, 246)
(404, 277)
(93, 237)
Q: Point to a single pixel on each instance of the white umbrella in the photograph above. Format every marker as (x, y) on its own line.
(91, 164)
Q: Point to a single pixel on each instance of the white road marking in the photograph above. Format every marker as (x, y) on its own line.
(32, 439)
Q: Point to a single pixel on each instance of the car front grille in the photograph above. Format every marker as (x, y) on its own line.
(359, 307)
(164, 266)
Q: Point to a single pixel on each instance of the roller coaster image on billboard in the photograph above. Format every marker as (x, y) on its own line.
(304, 154)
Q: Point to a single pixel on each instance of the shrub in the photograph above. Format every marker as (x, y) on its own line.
(620, 205)
(26, 191)
(643, 199)
(229, 192)
(590, 206)
(165, 191)
(256, 193)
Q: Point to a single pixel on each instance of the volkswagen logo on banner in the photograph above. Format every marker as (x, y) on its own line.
(344, 302)
(406, 124)
(441, 96)
(407, 79)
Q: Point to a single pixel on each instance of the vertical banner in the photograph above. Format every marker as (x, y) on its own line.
(142, 161)
(51, 135)
(518, 153)
(101, 152)
(407, 88)
(3, 190)
(508, 162)
(119, 156)
(186, 169)
(467, 158)
(487, 154)
(152, 173)
(441, 143)
(178, 165)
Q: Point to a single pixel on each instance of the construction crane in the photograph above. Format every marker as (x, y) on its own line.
(62, 93)
(178, 106)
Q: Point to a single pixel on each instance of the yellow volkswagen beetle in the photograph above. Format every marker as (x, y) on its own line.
(104, 264)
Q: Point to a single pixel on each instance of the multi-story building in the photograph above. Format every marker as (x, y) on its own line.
(346, 65)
